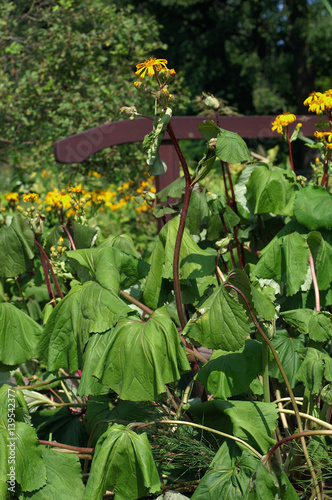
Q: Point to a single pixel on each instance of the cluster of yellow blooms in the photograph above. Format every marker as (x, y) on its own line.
(282, 121)
(320, 102)
(75, 196)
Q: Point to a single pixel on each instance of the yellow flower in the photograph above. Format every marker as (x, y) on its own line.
(75, 189)
(12, 197)
(151, 66)
(324, 135)
(31, 197)
(319, 102)
(282, 121)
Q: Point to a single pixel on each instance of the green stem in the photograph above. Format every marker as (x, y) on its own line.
(265, 373)
(198, 426)
(21, 295)
(309, 417)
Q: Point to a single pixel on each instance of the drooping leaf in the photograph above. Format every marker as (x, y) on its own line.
(86, 309)
(16, 246)
(19, 335)
(252, 422)
(313, 208)
(271, 190)
(127, 464)
(230, 147)
(222, 324)
(230, 374)
(194, 262)
(228, 475)
(240, 188)
(316, 324)
(89, 385)
(287, 348)
(315, 365)
(64, 477)
(157, 352)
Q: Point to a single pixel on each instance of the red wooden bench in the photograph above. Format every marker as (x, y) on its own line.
(79, 147)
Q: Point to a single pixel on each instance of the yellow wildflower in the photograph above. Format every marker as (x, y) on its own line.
(324, 135)
(282, 121)
(319, 102)
(75, 189)
(151, 66)
(31, 197)
(12, 197)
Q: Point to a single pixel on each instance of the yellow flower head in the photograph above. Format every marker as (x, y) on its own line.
(282, 121)
(31, 197)
(75, 189)
(319, 102)
(12, 197)
(151, 66)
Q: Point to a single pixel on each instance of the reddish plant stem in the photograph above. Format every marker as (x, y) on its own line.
(69, 236)
(182, 223)
(290, 149)
(57, 286)
(229, 244)
(131, 299)
(298, 435)
(325, 177)
(47, 279)
(67, 447)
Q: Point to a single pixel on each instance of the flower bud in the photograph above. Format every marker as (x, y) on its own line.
(210, 101)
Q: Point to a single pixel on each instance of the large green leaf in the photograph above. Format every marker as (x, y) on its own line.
(122, 242)
(198, 212)
(285, 258)
(230, 147)
(19, 335)
(64, 477)
(315, 365)
(194, 262)
(122, 463)
(252, 422)
(287, 347)
(110, 266)
(313, 208)
(209, 129)
(222, 324)
(270, 485)
(321, 251)
(228, 476)
(16, 246)
(230, 374)
(86, 309)
(89, 385)
(271, 190)
(140, 358)
(21, 446)
(316, 324)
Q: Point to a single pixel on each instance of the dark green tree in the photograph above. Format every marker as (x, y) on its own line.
(67, 66)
